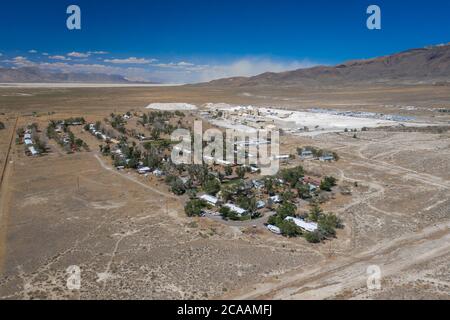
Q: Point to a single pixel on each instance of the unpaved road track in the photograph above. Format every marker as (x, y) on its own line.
(4, 197)
(132, 179)
(332, 278)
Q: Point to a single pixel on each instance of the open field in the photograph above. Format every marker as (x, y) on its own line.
(132, 238)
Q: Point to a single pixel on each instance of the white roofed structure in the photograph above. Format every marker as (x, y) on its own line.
(209, 199)
(235, 209)
(307, 226)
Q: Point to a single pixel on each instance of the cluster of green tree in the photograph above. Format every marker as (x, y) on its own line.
(51, 130)
(72, 121)
(292, 176)
(105, 149)
(176, 185)
(74, 143)
(132, 153)
(247, 203)
(228, 214)
(39, 145)
(288, 228)
(241, 171)
(162, 144)
(194, 207)
(159, 120)
(118, 122)
(327, 224)
(327, 183)
(211, 185)
(153, 157)
(317, 152)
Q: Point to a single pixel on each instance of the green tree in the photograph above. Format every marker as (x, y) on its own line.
(287, 196)
(287, 209)
(228, 170)
(327, 183)
(292, 176)
(303, 191)
(194, 207)
(212, 186)
(155, 134)
(177, 187)
(289, 229)
(315, 213)
(241, 171)
(312, 237)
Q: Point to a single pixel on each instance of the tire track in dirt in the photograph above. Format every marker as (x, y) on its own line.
(328, 280)
(4, 198)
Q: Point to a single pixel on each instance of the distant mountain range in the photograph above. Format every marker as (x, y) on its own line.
(36, 75)
(426, 65)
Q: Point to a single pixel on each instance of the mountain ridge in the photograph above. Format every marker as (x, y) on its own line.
(419, 65)
(37, 75)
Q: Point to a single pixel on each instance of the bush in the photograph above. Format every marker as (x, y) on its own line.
(2, 125)
(194, 207)
(312, 237)
(286, 209)
(292, 176)
(177, 187)
(289, 229)
(327, 183)
(226, 214)
(212, 186)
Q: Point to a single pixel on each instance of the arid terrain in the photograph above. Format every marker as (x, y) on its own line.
(132, 239)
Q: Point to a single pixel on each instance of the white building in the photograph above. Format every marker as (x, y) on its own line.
(209, 199)
(307, 226)
(235, 209)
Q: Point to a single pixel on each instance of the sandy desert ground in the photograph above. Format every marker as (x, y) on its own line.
(132, 239)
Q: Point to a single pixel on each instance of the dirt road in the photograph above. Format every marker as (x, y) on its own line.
(130, 178)
(4, 196)
(330, 279)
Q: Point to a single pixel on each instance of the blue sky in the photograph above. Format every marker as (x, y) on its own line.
(197, 40)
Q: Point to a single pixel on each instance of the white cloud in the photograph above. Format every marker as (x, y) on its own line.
(1, 54)
(250, 67)
(63, 58)
(78, 55)
(98, 52)
(44, 53)
(175, 65)
(131, 60)
(171, 72)
(32, 51)
(246, 67)
(21, 61)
